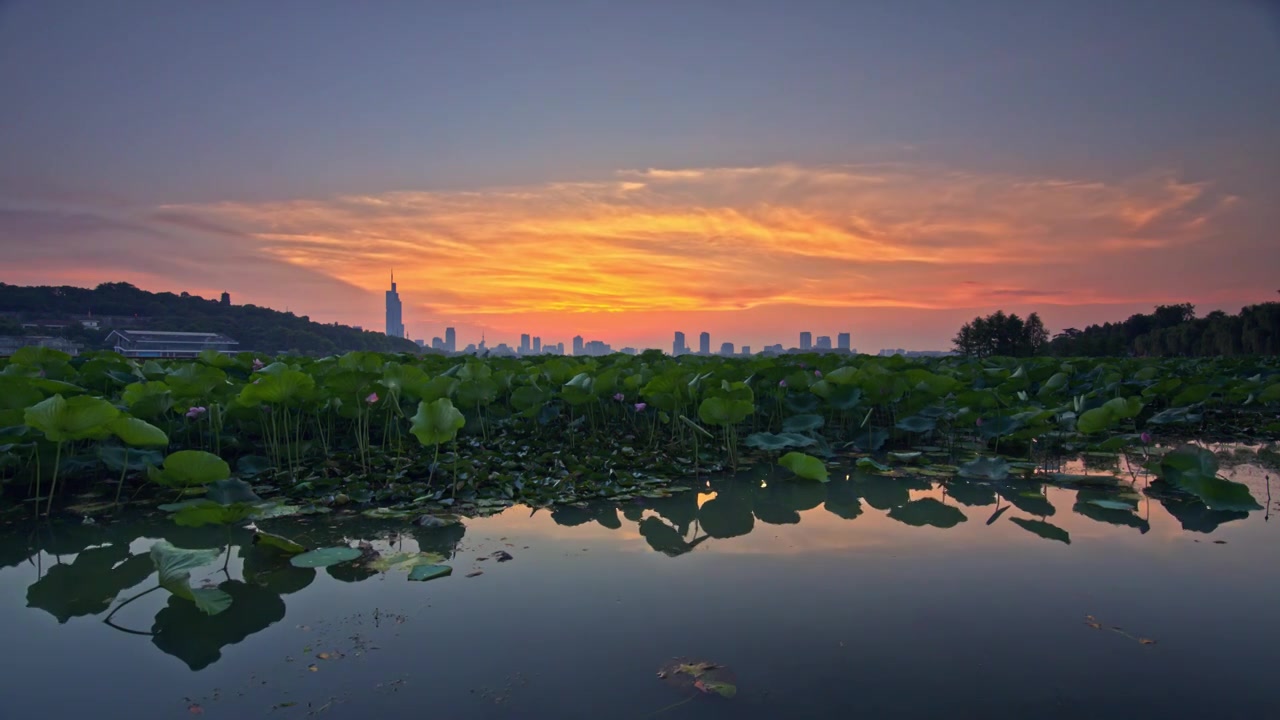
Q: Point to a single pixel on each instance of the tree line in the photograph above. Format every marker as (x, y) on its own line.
(255, 328)
(1169, 331)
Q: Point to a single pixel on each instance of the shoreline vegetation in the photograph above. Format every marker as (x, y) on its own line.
(403, 434)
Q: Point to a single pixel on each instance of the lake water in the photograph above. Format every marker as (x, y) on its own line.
(818, 600)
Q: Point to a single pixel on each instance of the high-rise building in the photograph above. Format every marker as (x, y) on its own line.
(726, 348)
(806, 340)
(678, 347)
(226, 298)
(537, 345)
(577, 344)
(824, 342)
(525, 346)
(450, 340)
(842, 342)
(746, 349)
(704, 343)
(395, 321)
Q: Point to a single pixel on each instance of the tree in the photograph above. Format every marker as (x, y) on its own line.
(1001, 334)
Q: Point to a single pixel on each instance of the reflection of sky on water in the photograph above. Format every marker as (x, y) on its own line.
(820, 597)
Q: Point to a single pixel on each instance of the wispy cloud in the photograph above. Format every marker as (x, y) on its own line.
(884, 235)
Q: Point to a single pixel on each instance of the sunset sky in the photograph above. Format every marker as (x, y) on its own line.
(626, 169)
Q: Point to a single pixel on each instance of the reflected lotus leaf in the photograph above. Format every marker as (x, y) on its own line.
(928, 511)
(727, 515)
(1107, 507)
(843, 500)
(1026, 498)
(665, 539)
(1045, 530)
(881, 492)
(87, 585)
(971, 493)
(183, 631)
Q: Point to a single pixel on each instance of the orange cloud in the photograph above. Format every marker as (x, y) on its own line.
(890, 235)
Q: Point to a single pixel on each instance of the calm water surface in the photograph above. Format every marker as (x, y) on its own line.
(874, 597)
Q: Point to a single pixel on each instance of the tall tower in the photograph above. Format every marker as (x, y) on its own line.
(806, 340)
(704, 343)
(524, 344)
(450, 340)
(537, 345)
(842, 342)
(395, 319)
(577, 344)
(678, 347)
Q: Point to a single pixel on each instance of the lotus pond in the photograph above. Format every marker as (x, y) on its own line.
(746, 597)
(638, 536)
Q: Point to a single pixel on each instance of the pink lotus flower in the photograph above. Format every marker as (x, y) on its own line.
(373, 398)
(1146, 438)
(640, 407)
(817, 373)
(978, 422)
(195, 412)
(257, 365)
(782, 383)
(619, 397)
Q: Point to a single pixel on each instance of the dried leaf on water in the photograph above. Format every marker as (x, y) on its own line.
(707, 678)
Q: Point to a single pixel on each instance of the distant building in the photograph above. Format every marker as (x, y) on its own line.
(824, 342)
(421, 343)
(842, 342)
(677, 346)
(395, 318)
(704, 343)
(628, 351)
(525, 344)
(537, 345)
(806, 341)
(726, 348)
(163, 344)
(577, 344)
(437, 343)
(594, 347)
(746, 349)
(450, 340)
(226, 298)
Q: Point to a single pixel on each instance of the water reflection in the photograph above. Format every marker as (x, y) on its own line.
(86, 570)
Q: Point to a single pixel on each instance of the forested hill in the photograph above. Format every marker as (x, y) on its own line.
(123, 305)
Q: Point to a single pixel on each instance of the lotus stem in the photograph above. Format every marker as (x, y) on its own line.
(53, 485)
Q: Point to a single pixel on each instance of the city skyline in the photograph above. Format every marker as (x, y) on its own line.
(889, 169)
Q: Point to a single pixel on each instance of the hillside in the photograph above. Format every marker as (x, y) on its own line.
(123, 305)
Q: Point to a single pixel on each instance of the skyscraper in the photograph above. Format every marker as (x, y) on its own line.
(824, 342)
(726, 349)
(450, 340)
(704, 343)
(537, 345)
(577, 344)
(524, 344)
(395, 321)
(678, 347)
(842, 342)
(806, 340)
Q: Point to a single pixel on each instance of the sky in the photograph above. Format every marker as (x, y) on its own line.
(626, 170)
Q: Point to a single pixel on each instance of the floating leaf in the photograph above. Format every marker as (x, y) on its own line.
(429, 572)
(804, 466)
(405, 561)
(325, 557)
(279, 542)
